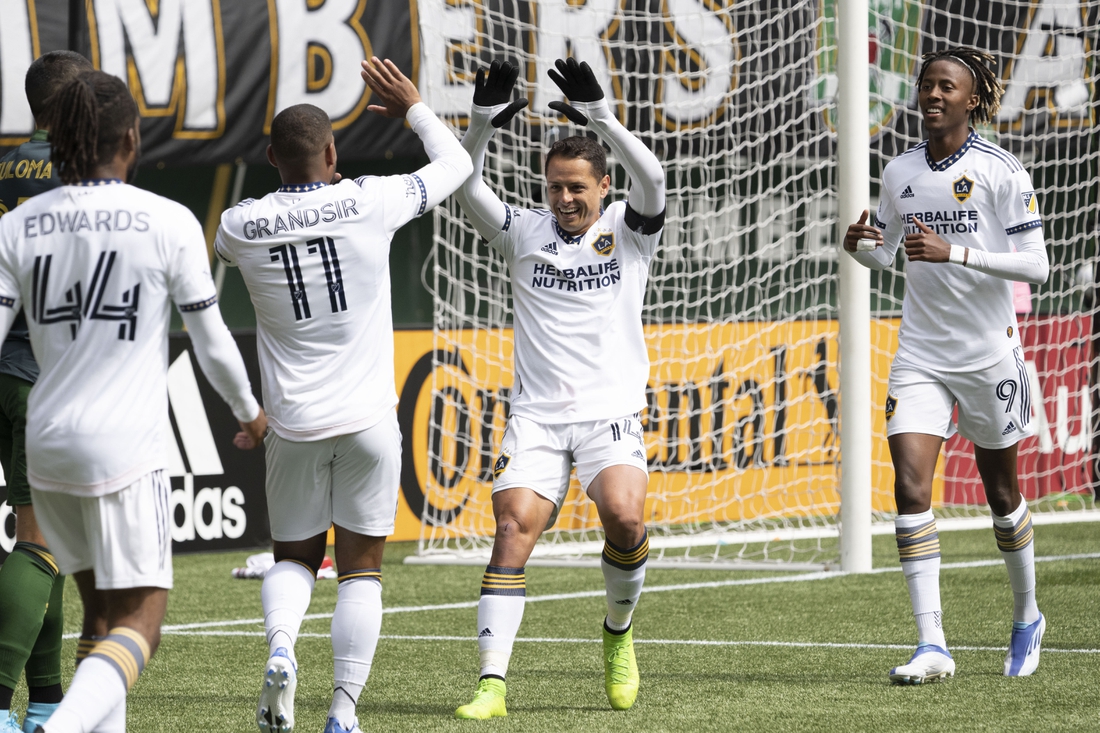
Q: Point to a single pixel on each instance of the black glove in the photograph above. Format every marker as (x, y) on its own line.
(578, 84)
(496, 88)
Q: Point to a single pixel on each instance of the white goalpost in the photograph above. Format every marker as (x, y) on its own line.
(764, 429)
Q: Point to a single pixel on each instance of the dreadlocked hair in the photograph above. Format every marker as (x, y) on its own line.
(986, 84)
(87, 118)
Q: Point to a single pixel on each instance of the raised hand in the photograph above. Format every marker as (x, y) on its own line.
(393, 88)
(495, 88)
(578, 83)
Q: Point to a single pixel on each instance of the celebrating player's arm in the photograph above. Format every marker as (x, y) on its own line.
(875, 248)
(587, 106)
(450, 164)
(193, 291)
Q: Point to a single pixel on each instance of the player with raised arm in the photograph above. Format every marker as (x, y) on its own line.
(97, 263)
(578, 280)
(315, 258)
(967, 215)
(31, 589)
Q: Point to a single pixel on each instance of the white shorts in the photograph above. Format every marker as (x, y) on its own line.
(350, 480)
(123, 537)
(539, 457)
(994, 403)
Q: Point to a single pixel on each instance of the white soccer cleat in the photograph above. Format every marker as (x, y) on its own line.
(1023, 649)
(275, 713)
(928, 664)
(333, 726)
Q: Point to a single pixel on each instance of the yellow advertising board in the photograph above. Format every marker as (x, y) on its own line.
(741, 423)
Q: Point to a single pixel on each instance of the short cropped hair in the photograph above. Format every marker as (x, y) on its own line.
(300, 133)
(48, 73)
(584, 148)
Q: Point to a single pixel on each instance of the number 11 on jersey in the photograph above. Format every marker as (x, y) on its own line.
(326, 248)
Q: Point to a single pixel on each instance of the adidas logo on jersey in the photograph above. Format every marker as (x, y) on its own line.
(907, 193)
(552, 248)
(485, 632)
(1011, 427)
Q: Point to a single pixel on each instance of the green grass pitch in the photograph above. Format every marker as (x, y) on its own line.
(769, 664)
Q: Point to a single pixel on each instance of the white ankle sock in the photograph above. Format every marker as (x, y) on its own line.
(1015, 538)
(919, 549)
(623, 575)
(285, 595)
(356, 624)
(499, 613)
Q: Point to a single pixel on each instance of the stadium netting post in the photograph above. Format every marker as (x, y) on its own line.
(853, 196)
(745, 308)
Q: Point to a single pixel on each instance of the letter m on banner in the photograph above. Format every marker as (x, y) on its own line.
(172, 56)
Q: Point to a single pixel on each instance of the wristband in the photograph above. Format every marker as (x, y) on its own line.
(958, 255)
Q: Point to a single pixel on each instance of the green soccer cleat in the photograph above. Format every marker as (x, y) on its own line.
(488, 701)
(620, 670)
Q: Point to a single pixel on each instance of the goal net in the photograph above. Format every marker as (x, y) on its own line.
(738, 101)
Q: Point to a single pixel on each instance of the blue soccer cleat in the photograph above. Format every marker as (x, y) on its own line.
(37, 714)
(928, 664)
(9, 723)
(333, 726)
(1023, 649)
(275, 712)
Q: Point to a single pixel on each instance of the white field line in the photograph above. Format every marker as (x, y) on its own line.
(786, 578)
(657, 642)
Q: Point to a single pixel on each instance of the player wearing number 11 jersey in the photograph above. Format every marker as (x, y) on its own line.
(315, 258)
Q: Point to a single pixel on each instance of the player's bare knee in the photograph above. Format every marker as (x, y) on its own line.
(625, 531)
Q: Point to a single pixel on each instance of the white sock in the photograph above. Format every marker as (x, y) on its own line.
(499, 613)
(623, 576)
(919, 549)
(285, 595)
(1015, 538)
(356, 624)
(96, 691)
(115, 722)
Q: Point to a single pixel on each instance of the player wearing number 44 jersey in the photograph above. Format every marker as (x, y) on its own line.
(96, 265)
(967, 214)
(578, 279)
(315, 258)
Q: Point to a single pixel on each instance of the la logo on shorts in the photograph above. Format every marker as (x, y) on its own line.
(604, 243)
(502, 463)
(891, 405)
(962, 188)
(1010, 331)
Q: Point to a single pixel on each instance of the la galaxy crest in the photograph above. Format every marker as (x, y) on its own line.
(604, 244)
(502, 463)
(891, 405)
(962, 188)
(1030, 204)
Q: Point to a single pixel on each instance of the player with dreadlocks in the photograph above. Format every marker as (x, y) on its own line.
(967, 215)
(98, 264)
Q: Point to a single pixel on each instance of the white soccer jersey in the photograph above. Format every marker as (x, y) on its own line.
(953, 318)
(580, 352)
(315, 259)
(95, 267)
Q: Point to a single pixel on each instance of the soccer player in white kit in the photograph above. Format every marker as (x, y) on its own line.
(96, 264)
(578, 280)
(315, 258)
(967, 214)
